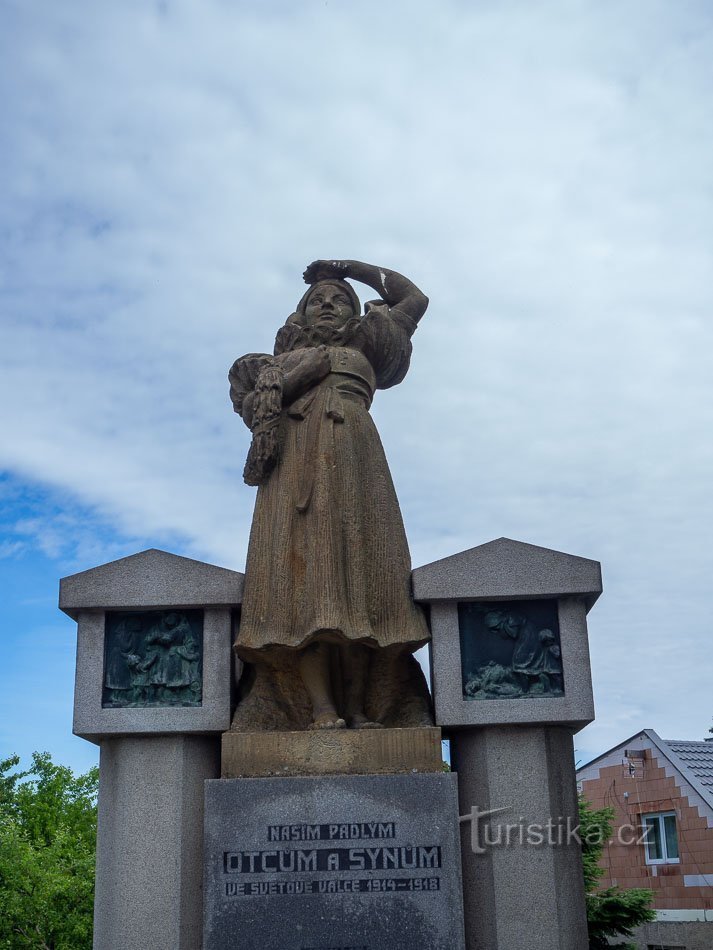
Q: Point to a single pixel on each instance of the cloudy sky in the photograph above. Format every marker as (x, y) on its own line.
(543, 171)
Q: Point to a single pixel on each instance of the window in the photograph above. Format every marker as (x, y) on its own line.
(660, 838)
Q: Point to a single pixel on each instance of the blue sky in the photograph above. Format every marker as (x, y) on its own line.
(543, 171)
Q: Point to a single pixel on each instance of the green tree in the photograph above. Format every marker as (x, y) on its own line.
(48, 820)
(610, 912)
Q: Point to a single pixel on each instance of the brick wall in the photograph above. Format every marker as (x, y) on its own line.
(650, 790)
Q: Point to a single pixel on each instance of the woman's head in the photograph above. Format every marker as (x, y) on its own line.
(329, 303)
(328, 314)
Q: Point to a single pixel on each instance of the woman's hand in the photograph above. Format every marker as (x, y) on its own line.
(315, 363)
(325, 270)
(311, 369)
(398, 291)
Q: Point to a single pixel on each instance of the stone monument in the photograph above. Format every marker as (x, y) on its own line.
(270, 771)
(334, 715)
(328, 623)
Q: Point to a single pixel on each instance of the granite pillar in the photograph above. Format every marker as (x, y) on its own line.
(157, 749)
(149, 881)
(510, 725)
(526, 890)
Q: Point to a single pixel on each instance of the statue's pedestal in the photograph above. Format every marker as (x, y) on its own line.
(349, 861)
(345, 838)
(331, 752)
(511, 684)
(333, 838)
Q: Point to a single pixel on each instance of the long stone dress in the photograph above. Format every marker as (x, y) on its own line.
(328, 556)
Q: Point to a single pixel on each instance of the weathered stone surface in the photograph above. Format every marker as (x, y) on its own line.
(273, 695)
(513, 755)
(328, 567)
(150, 579)
(150, 841)
(331, 752)
(379, 859)
(504, 569)
(523, 892)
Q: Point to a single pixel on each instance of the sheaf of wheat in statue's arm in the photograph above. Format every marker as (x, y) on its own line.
(328, 625)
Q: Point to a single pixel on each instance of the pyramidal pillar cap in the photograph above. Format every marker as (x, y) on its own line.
(150, 579)
(508, 570)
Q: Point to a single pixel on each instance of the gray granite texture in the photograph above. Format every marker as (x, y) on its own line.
(575, 707)
(523, 892)
(506, 570)
(150, 841)
(676, 934)
(93, 721)
(150, 579)
(362, 862)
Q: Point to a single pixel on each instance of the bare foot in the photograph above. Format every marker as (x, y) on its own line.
(361, 722)
(328, 720)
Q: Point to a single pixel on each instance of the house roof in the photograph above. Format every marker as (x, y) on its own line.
(693, 760)
(698, 756)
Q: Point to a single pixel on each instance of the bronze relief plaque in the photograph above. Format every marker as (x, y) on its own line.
(153, 658)
(510, 650)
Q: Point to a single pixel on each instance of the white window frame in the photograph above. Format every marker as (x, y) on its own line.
(659, 816)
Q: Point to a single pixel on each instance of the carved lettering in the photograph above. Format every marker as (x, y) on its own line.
(333, 859)
(332, 832)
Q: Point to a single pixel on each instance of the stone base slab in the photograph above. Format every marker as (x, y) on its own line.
(349, 862)
(331, 752)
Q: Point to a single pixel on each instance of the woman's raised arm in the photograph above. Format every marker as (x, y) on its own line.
(398, 291)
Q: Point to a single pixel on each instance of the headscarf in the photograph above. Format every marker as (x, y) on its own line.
(335, 282)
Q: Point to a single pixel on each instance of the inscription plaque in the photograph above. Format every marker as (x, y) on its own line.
(359, 862)
(510, 649)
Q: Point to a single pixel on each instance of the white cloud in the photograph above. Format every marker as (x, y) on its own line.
(542, 172)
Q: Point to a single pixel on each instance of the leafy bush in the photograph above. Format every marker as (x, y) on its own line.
(48, 820)
(610, 912)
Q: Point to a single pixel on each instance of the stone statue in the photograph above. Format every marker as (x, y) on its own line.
(328, 624)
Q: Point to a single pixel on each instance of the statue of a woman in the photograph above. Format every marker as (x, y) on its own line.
(327, 584)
